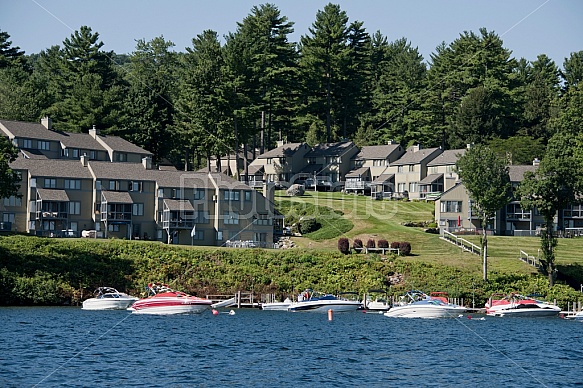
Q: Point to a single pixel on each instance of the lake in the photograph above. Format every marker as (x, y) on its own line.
(67, 346)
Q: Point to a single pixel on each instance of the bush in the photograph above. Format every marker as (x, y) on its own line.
(395, 244)
(357, 243)
(370, 243)
(404, 248)
(383, 244)
(343, 245)
(308, 224)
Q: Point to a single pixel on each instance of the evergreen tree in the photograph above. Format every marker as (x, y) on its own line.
(204, 117)
(9, 55)
(572, 72)
(149, 108)
(9, 179)
(457, 70)
(90, 89)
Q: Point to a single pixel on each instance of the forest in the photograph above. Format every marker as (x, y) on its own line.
(253, 87)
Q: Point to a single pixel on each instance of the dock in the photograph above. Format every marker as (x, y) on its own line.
(241, 299)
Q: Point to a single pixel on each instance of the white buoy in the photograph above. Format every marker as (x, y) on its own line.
(232, 312)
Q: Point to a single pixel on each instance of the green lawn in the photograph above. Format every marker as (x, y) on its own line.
(376, 220)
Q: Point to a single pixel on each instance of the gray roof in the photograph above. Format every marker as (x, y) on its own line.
(256, 169)
(178, 205)
(80, 140)
(516, 172)
(60, 168)
(448, 157)
(34, 154)
(330, 149)
(377, 151)
(117, 196)
(288, 149)
(53, 195)
(359, 172)
(384, 178)
(430, 179)
(26, 130)
(118, 144)
(122, 171)
(415, 157)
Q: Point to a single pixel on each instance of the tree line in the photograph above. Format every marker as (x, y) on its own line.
(255, 86)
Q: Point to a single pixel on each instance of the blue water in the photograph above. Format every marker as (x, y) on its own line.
(67, 346)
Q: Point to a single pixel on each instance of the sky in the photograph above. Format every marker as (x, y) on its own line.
(527, 27)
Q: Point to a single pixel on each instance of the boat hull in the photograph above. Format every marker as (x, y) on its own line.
(276, 306)
(524, 312)
(425, 311)
(168, 308)
(325, 305)
(108, 304)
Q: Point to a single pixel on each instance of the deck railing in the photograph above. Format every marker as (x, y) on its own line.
(464, 244)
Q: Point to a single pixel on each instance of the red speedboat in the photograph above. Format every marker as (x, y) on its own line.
(164, 300)
(517, 305)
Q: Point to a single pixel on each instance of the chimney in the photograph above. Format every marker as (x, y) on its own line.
(469, 145)
(47, 122)
(280, 143)
(147, 162)
(536, 162)
(390, 142)
(94, 132)
(84, 160)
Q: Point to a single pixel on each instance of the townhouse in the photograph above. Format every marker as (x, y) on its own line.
(328, 164)
(104, 184)
(370, 164)
(410, 170)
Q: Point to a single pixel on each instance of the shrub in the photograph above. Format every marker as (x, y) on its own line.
(395, 244)
(383, 244)
(370, 243)
(357, 243)
(404, 248)
(308, 224)
(343, 245)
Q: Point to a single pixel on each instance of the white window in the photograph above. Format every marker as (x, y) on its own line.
(411, 167)
(433, 170)
(8, 217)
(451, 206)
(75, 153)
(138, 209)
(74, 207)
(73, 184)
(160, 193)
(198, 193)
(43, 145)
(50, 183)
(97, 185)
(231, 218)
(26, 143)
(412, 187)
(399, 168)
(135, 186)
(13, 201)
(231, 195)
(32, 182)
(114, 185)
(401, 188)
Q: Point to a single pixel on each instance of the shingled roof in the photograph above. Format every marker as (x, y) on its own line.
(377, 151)
(447, 157)
(414, 157)
(516, 172)
(53, 168)
(285, 150)
(330, 149)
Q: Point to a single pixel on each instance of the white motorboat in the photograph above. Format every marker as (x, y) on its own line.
(376, 300)
(316, 301)
(416, 304)
(579, 316)
(516, 305)
(277, 306)
(164, 300)
(108, 298)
